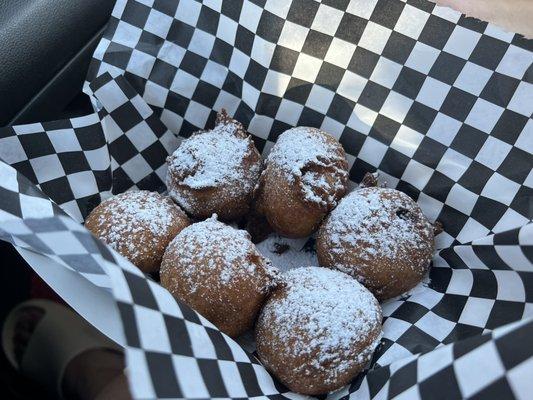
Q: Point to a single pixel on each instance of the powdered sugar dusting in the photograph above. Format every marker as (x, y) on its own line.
(372, 219)
(306, 154)
(214, 158)
(324, 315)
(134, 212)
(287, 254)
(226, 251)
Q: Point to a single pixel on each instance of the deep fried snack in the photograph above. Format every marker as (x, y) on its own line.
(305, 176)
(215, 171)
(217, 270)
(380, 237)
(316, 333)
(139, 225)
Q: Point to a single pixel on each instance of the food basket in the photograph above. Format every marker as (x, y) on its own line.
(439, 104)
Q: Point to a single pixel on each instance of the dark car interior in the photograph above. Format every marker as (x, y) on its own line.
(45, 50)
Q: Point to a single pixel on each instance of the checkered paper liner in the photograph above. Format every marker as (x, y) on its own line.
(438, 103)
(68, 167)
(68, 160)
(81, 161)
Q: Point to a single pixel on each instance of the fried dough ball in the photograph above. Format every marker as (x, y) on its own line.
(217, 271)
(380, 237)
(306, 174)
(316, 333)
(139, 225)
(215, 171)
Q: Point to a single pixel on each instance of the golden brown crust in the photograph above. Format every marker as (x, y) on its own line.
(300, 186)
(282, 205)
(216, 270)
(139, 225)
(215, 171)
(380, 237)
(309, 348)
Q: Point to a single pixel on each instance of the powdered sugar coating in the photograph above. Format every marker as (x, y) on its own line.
(222, 159)
(287, 254)
(216, 269)
(324, 324)
(138, 224)
(368, 219)
(214, 157)
(132, 209)
(226, 251)
(379, 236)
(313, 160)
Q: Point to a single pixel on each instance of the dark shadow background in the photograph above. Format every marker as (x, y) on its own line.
(45, 49)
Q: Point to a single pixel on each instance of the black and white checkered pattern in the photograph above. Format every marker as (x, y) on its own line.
(185, 355)
(68, 160)
(138, 142)
(77, 163)
(438, 103)
(473, 289)
(81, 161)
(481, 367)
(28, 220)
(20, 199)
